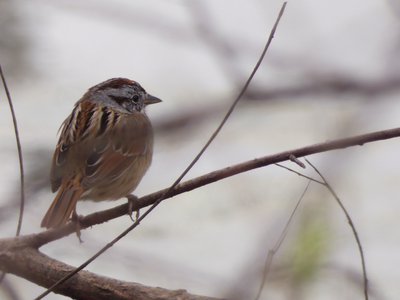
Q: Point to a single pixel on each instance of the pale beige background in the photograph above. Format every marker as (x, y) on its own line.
(214, 241)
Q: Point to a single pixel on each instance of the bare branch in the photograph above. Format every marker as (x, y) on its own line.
(298, 173)
(29, 263)
(352, 226)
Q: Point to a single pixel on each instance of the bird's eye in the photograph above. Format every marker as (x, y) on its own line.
(135, 98)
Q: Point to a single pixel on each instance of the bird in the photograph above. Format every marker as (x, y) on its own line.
(104, 149)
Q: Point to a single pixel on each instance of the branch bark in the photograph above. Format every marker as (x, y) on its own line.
(19, 258)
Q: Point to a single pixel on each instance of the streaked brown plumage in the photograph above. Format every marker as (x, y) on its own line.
(105, 148)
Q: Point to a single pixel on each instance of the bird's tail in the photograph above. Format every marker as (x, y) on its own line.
(63, 205)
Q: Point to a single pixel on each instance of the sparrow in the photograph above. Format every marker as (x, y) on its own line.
(104, 149)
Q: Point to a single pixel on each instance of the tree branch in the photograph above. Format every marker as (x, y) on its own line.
(37, 240)
(18, 258)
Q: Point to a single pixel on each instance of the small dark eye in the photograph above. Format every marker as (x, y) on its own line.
(135, 98)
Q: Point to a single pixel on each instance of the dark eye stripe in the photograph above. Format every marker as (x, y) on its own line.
(119, 99)
(104, 120)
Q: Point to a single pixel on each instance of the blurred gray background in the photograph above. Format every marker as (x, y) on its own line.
(332, 71)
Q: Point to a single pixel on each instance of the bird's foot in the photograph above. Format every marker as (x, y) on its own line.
(132, 200)
(76, 219)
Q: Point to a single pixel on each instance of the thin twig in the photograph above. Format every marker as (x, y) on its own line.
(297, 161)
(177, 181)
(352, 226)
(274, 250)
(20, 158)
(300, 174)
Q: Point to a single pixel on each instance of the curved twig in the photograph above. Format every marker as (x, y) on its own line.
(298, 173)
(352, 226)
(20, 158)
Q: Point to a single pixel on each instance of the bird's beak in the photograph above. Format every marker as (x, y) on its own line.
(151, 100)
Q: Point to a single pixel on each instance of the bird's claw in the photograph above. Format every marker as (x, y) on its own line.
(76, 219)
(132, 199)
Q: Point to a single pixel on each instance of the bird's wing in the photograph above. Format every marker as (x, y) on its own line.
(75, 131)
(100, 143)
(128, 140)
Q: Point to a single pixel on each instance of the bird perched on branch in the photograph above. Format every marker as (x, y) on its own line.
(105, 148)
